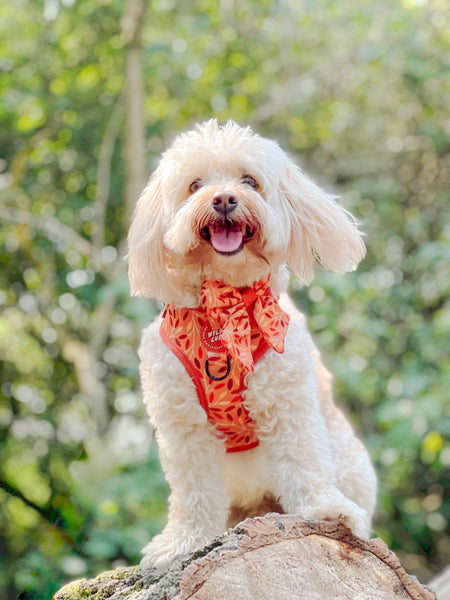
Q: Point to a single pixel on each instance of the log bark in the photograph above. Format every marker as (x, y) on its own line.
(275, 557)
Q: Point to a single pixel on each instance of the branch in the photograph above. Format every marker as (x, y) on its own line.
(19, 162)
(52, 516)
(49, 513)
(104, 172)
(90, 385)
(132, 21)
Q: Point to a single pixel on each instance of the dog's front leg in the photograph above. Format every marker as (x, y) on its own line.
(295, 439)
(198, 503)
(192, 458)
(304, 481)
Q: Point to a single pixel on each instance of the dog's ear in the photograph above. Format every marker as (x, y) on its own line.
(321, 229)
(146, 269)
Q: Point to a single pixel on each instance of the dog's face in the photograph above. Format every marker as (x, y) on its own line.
(226, 204)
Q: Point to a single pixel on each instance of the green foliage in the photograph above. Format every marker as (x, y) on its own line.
(358, 93)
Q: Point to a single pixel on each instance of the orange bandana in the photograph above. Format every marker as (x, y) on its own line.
(218, 343)
(226, 308)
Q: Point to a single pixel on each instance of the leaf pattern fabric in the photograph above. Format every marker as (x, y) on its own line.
(219, 343)
(227, 307)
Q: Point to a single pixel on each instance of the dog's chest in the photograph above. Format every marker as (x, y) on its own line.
(217, 376)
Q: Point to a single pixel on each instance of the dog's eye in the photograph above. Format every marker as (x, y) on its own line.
(195, 185)
(251, 181)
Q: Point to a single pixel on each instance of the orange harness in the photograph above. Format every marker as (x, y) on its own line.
(219, 343)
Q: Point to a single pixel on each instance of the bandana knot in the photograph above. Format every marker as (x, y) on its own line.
(231, 310)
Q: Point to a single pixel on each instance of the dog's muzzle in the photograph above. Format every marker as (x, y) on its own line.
(225, 232)
(224, 203)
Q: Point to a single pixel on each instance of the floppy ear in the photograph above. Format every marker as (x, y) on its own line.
(146, 269)
(320, 229)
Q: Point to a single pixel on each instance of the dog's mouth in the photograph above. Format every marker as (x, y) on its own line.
(227, 237)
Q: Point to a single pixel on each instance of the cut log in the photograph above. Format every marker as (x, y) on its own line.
(275, 557)
(441, 584)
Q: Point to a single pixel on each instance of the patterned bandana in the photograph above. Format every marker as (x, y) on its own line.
(227, 309)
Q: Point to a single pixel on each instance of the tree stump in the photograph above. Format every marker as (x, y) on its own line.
(275, 557)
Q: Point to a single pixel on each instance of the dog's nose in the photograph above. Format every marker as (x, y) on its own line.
(224, 202)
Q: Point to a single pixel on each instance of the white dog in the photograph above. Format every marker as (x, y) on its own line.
(233, 384)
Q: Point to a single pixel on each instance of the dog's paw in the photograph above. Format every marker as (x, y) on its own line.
(160, 551)
(334, 506)
(167, 545)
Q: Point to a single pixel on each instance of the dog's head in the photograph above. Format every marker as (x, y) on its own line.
(227, 204)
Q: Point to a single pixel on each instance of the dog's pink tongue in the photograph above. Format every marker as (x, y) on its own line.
(226, 239)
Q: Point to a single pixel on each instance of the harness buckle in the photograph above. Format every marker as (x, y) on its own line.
(218, 378)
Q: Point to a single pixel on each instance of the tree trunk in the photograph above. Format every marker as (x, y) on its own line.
(135, 172)
(276, 557)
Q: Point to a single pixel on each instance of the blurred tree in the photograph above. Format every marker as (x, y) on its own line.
(359, 92)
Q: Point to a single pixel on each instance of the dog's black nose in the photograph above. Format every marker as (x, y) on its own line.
(224, 202)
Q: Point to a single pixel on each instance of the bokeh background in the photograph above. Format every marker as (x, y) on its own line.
(91, 92)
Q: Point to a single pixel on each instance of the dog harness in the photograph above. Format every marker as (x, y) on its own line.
(219, 343)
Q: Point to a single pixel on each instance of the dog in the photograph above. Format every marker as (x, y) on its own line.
(234, 386)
